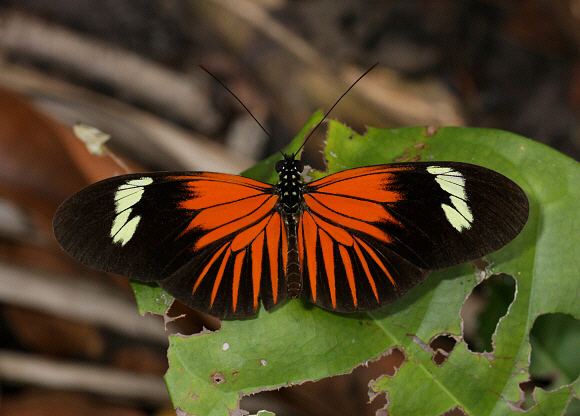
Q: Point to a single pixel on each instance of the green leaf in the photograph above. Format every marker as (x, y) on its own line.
(555, 340)
(298, 342)
(265, 413)
(151, 298)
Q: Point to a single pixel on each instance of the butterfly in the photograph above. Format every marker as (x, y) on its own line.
(351, 241)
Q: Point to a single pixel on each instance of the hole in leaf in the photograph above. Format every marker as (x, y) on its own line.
(442, 345)
(527, 398)
(341, 395)
(218, 378)
(456, 411)
(184, 320)
(554, 359)
(481, 312)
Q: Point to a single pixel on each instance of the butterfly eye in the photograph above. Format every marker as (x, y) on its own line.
(299, 165)
(279, 166)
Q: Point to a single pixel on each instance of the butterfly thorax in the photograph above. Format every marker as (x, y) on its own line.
(290, 185)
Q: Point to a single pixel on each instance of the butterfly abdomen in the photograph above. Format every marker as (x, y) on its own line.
(293, 271)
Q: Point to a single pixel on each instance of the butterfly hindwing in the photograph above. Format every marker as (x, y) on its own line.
(347, 271)
(171, 227)
(398, 220)
(230, 279)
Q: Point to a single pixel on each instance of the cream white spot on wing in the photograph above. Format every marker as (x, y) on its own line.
(127, 195)
(144, 181)
(119, 221)
(126, 232)
(125, 190)
(452, 188)
(127, 200)
(455, 218)
(461, 206)
(452, 181)
(438, 170)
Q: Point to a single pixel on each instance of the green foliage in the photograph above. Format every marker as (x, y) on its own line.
(555, 340)
(298, 342)
(151, 298)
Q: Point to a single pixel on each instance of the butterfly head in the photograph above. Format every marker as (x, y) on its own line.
(289, 165)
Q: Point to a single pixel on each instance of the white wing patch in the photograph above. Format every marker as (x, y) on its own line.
(126, 197)
(453, 182)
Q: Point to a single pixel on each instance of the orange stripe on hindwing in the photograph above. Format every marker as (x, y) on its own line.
(349, 272)
(328, 257)
(219, 276)
(377, 260)
(284, 247)
(338, 234)
(273, 241)
(244, 238)
(301, 243)
(238, 263)
(257, 254)
(310, 236)
(207, 267)
(366, 269)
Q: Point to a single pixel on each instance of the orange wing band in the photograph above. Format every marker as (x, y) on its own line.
(349, 273)
(310, 240)
(367, 271)
(238, 262)
(328, 256)
(220, 275)
(257, 253)
(207, 267)
(377, 260)
(273, 241)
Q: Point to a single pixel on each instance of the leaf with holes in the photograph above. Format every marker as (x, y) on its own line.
(296, 342)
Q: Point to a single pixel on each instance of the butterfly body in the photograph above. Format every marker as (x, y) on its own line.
(290, 189)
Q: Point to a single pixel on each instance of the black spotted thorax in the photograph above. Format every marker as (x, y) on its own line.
(290, 185)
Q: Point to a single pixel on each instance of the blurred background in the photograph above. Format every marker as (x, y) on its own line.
(71, 341)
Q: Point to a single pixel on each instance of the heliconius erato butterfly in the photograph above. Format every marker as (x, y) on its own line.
(351, 241)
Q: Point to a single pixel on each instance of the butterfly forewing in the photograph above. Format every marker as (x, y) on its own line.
(369, 234)
(212, 240)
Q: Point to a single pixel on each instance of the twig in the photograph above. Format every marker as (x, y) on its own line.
(382, 99)
(148, 136)
(173, 92)
(76, 299)
(30, 369)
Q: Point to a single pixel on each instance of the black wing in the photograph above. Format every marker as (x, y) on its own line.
(214, 241)
(369, 234)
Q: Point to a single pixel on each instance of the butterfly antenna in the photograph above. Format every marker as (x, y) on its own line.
(240, 101)
(334, 105)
